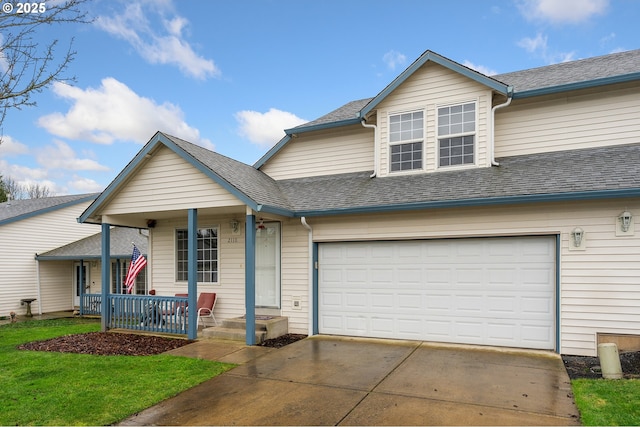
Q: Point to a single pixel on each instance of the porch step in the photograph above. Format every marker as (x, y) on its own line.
(267, 327)
(233, 334)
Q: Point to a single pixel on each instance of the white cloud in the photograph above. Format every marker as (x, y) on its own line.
(22, 173)
(160, 42)
(10, 146)
(84, 185)
(562, 11)
(62, 156)
(394, 59)
(539, 47)
(115, 112)
(537, 44)
(265, 129)
(480, 68)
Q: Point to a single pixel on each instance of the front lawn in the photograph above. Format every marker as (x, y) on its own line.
(47, 388)
(608, 402)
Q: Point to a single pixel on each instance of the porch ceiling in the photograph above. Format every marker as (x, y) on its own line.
(141, 219)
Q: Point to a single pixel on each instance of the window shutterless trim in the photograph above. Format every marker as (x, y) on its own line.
(458, 146)
(405, 138)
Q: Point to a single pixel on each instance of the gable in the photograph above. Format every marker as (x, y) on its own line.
(167, 182)
(429, 88)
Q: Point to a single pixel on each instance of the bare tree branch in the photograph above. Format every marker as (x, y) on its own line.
(26, 66)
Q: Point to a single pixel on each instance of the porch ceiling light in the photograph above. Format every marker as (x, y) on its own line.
(625, 220)
(577, 234)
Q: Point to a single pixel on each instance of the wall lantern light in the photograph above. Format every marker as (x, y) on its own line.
(234, 225)
(577, 234)
(625, 220)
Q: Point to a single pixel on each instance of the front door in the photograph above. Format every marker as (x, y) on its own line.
(268, 265)
(79, 280)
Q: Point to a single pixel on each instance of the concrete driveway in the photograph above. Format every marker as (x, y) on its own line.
(348, 381)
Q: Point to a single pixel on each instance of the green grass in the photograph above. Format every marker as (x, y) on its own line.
(608, 402)
(47, 388)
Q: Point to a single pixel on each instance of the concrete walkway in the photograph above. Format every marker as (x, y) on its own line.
(347, 381)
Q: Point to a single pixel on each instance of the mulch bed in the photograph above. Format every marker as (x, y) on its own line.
(119, 344)
(589, 367)
(282, 341)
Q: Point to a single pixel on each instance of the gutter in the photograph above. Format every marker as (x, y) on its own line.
(492, 143)
(376, 144)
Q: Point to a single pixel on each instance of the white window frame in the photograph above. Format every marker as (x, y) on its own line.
(461, 134)
(182, 276)
(407, 141)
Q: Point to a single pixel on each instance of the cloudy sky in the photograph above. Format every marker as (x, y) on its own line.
(231, 75)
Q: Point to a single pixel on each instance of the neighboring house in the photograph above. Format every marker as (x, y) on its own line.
(84, 258)
(46, 254)
(29, 227)
(452, 206)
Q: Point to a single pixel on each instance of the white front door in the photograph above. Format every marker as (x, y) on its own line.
(79, 281)
(268, 265)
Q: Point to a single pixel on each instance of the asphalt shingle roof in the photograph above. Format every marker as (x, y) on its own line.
(259, 186)
(91, 247)
(14, 209)
(574, 171)
(600, 67)
(346, 112)
(584, 70)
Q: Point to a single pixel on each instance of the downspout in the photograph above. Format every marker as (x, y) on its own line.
(375, 147)
(493, 126)
(303, 221)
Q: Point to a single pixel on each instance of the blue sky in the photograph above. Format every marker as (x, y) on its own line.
(231, 75)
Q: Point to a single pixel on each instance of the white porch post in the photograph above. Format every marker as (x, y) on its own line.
(106, 273)
(192, 274)
(250, 277)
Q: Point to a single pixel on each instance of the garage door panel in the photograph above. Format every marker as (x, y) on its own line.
(495, 291)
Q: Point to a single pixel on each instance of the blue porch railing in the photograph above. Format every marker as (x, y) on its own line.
(150, 313)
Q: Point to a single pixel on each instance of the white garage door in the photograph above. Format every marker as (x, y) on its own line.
(490, 291)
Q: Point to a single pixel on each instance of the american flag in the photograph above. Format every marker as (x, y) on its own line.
(137, 264)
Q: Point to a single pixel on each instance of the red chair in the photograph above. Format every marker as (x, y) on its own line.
(206, 303)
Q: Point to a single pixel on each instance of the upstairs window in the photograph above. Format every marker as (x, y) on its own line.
(456, 135)
(406, 136)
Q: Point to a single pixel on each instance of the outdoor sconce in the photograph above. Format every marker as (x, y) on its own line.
(151, 223)
(234, 225)
(577, 234)
(625, 220)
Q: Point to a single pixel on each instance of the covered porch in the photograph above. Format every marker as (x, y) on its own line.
(202, 232)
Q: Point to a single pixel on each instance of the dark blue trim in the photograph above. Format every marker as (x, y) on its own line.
(161, 139)
(486, 201)
(79, 257)
(106, 275)
(250, 278)
(323, 126)
(441, 60)
(262, 160)
(47, 210)
(558, 318)
(275, 210)
(192, 274)
(577, 86)
(315, 291)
